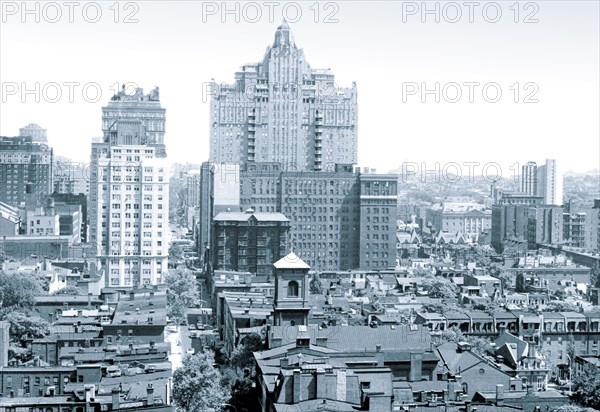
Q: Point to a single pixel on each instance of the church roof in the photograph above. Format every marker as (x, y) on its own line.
(291, 261)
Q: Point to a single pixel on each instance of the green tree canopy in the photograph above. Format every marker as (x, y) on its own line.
(242, 357)
(315, 285)
(479, 346)
(183, 292)
(438, 287)
(586, 387)
(197, 384)
(69, 290)
(19, 291)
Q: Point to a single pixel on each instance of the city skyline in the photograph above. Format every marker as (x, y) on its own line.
(564, 67)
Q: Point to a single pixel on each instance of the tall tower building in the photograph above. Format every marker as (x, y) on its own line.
(291, 305)
(25, 172)
(550, 183)
(530, 179)
(129, 191)
(281, 110)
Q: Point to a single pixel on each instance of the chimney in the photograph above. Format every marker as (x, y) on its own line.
(89, 393)
(341, 385)
(89, 301)
(531, 350)
(150, 395)
(499, 395)
(116, 399)
(321, 383)
(297, 386)
(416, 366)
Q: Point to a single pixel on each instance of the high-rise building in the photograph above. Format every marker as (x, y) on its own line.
(550, 183)
(129, 191)
(378, 203)
(37, 133)
(327, 210)
(281, 110)
(545, 226)
(544, 181)
(70, 177)
(530, 179)
(25, 172)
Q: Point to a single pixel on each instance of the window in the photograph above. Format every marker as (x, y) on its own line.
(293, 289)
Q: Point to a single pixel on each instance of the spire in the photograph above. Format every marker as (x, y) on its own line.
(283, 36)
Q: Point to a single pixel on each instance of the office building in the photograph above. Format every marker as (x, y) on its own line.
(25, 172)
(129, 191)
(530, 179)
(550, 183)
(378, 202)
(282, 110)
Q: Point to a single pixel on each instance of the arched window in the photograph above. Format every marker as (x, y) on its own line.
(293, 289)
(465, 388)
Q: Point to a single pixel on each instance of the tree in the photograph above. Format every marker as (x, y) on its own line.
(438, 287)
(19, 291)
(197, 384)
(573, 408)
(242, 357)
(479, 346)
(25, 326)
(176, 253)
(586, 387)
(558, 306)
(182, 293)
(68, 290)
(315, 285)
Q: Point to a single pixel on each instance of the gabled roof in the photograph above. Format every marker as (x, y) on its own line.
(291, 261)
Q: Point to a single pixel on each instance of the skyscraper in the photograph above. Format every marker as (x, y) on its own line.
(281, 110)
(129, 191)
(25, 172)
(544, 181)
(550, 183)
(529, 179)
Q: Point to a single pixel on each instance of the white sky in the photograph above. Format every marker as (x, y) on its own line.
(172, 47)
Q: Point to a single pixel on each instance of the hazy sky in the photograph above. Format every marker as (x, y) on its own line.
(384, 46)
